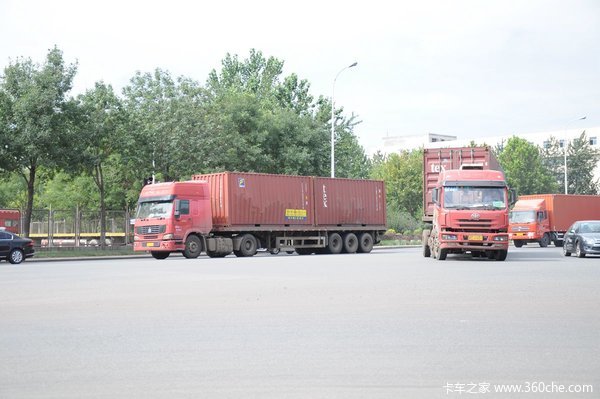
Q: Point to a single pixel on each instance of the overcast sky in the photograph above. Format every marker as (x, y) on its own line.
(466, 68)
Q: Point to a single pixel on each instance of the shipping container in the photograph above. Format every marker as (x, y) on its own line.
(260, 200)
(347, 202)
(436, 160)
(269, 201)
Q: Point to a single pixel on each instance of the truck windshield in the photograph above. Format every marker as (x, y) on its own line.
(464, 197)
(154, 209)
(521, 217)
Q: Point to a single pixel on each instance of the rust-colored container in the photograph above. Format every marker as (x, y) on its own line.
(436, 160)
(10, 220)
(349, 202)
(259, 200)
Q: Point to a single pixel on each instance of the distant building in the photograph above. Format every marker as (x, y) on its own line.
(399, 143)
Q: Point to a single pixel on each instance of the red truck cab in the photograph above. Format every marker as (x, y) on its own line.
(172, 217)
(529, 222)
(470, 214)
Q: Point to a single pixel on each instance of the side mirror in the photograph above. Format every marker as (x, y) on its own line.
(177, 212)
(434, 195)
(512, 196)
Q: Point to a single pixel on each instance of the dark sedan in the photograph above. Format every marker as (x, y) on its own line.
(14, 248)
(582, 238)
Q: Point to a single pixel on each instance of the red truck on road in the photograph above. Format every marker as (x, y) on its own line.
(229, 212)
(466, 199)
(10, 220)
(544, 218)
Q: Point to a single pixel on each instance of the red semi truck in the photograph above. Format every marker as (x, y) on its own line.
(544, 218)
(466, 199)
(10, 220)
(229, 212)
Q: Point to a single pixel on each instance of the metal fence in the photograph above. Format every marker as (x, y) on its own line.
(77, 227)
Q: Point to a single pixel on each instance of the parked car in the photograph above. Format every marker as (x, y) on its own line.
(15, 249)
(582, 238)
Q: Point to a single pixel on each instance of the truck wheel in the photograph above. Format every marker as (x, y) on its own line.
(248, 246)
(350, 243)
(159, 254)
(565, 252)
(304, 251)
(335, 244)
(558, 243)
(442, 253)
(193, 247)
(501, 255)
(365, 243)
(518, 243)
(212, 254)
(425, 242)
(579, 252)
(16, 256)
(545, 240)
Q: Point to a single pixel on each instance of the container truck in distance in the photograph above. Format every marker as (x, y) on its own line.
(229, 212)
(544, 218)
(466, 199)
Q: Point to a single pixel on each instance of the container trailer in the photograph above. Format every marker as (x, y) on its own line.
(227, 212)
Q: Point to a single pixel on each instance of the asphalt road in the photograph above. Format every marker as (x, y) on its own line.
(389, 324)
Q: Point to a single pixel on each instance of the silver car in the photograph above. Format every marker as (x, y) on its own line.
(582, 238)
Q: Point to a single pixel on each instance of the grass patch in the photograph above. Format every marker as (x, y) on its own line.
(66, 252)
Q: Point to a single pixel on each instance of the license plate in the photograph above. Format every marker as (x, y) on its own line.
(475, 238)
(149, 244)
(519, 234)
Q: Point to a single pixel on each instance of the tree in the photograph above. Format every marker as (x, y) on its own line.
(102, 130)
(553, 160)
(524, 168)
(582, 159)
(37, 116)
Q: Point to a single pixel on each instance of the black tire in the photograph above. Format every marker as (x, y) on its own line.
(304, 251)
(442, 253)
(501, 255)
(558, 243)
(545, 240)
(248, 246)
(289, 252)
(16, 256)
(518, 243)
(350, 243)
(579, 252)
(160, 254)
(335, 244)
(274, 251)
(193, 247)
(365, 243)
(565, 251)
(425, 243)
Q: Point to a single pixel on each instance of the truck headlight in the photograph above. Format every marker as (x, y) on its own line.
(168, 236)
(501, 238)
(449, 237)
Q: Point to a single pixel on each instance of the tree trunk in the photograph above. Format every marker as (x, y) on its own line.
(30, 192)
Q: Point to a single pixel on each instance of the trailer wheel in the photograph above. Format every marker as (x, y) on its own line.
(545, 240)
(248, 246)
(365, 243)
(159, 254)
(193, 247)
(501, 255)
(558, 243)
(335, 244)
(518, 243)
(350, 243)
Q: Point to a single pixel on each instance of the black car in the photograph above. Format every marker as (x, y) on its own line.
(582, 238)
(14, 248)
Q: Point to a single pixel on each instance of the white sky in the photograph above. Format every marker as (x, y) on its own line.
(466, 68)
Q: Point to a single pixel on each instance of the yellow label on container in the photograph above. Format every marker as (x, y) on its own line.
(295, 214)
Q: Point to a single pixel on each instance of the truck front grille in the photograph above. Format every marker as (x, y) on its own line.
(155, 229)
(474, 224)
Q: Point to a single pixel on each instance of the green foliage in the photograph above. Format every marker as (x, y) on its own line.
(524, 168)
(582, 159)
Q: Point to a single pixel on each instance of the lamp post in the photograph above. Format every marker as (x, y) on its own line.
(565, 145)
(333, 118)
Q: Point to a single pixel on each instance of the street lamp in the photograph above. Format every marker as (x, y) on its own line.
(565, 146)
(333, 119)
